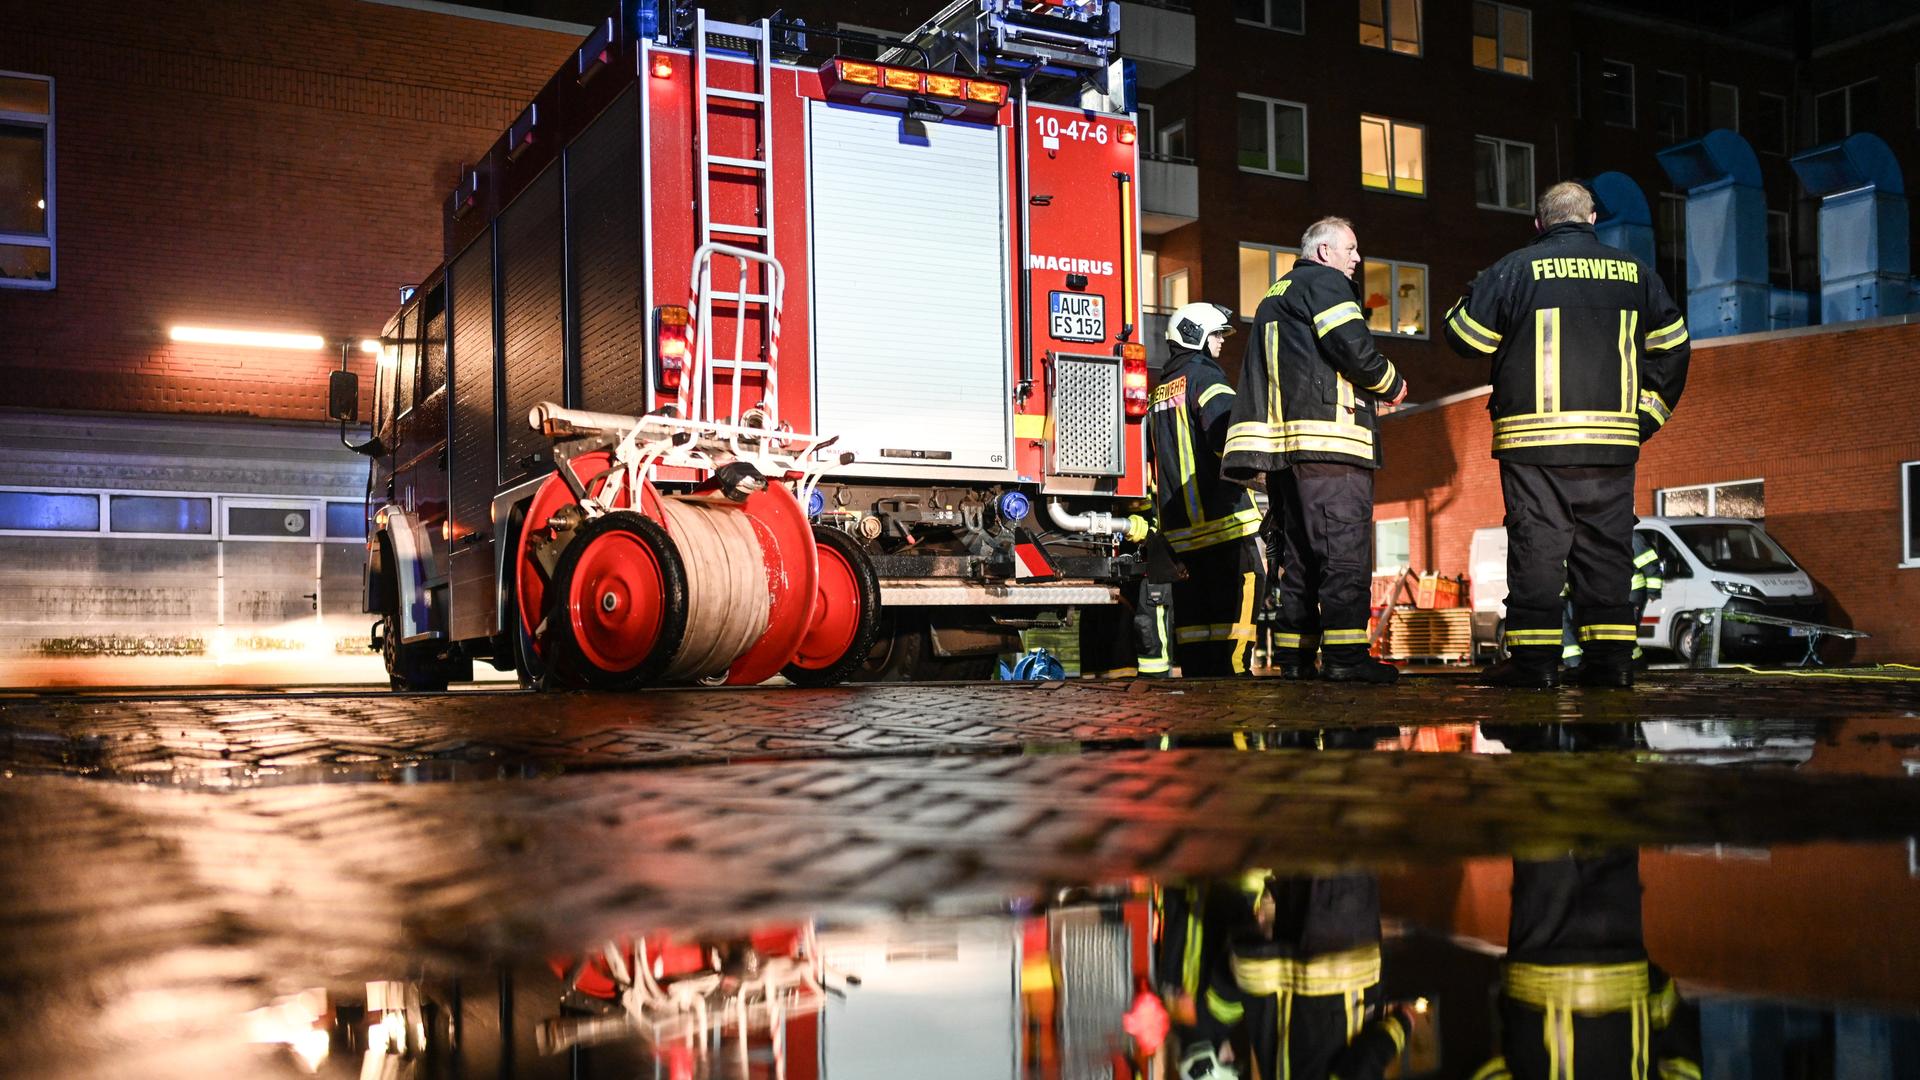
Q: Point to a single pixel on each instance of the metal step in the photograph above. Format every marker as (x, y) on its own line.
(736, 95)
(751, 298)
(736, 162)
(743, 365)
(737, 230)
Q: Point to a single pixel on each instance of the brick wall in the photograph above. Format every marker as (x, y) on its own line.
(1825, 417)
(230, 163)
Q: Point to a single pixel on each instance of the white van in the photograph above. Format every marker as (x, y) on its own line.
(1709, 563)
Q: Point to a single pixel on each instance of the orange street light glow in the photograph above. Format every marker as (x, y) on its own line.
(207, 335)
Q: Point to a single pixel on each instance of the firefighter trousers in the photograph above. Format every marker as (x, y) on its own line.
(1325, 530)
(1213, 608)
(1569, 526)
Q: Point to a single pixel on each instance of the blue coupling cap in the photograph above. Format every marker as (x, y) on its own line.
(1014, 506)
(816, 502)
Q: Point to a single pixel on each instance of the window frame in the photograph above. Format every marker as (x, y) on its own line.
(1499, 40)
(1846, 99)
(1500, 145)
(1273, 148)
(1162, 134)
(1712, 490)
(1271, 250)
(1386, 30)
(1269, 24)
(50, 241)
(1712, 85)
(1686, 110)
(1184, 275)
(1393, 140)
(1633, 93)
(1396, 568)
(1393, 297)
(1909, 503)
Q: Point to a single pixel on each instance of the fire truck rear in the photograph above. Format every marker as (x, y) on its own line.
(715, 269)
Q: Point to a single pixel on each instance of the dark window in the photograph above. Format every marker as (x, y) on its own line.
(275, 521)
(1736, 549)
(46, 511)
(1670, 104)
(1616, 93)
(1723, 106)
(1672, 564)
(1910, 503)
(408, 371)
(433, 349)
(1289, 15)
(1767, 126)
(182, 514)
(346, 521)
(1839, 113)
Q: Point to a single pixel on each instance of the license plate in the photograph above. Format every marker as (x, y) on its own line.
(1073, 316)
(1797, 631)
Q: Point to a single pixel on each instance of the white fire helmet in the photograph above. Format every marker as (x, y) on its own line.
(1189, 326)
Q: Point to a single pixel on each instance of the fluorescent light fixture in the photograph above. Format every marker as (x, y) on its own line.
(207, 335)
(369, 346)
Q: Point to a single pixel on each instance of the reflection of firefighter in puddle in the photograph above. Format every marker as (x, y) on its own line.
(1578, 996)
(1196, 923)
(1304, 984)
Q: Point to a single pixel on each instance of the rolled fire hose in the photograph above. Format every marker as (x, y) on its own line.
(727, 596)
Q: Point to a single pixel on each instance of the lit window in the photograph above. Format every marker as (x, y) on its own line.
(1839, 113)
(1723, 107)
(1616, 93)
(1260, 266)
(1393, 155)
(1738, 499)
(1396, 297)
(1910, 513)
(1503, 174)
(1391, 24)
(49, 511)
(1273, 137)
(1150, 278)
(1392, 545)
(1173, 290)
(1288, 15)
(183, 515)
(1503, 38)
(1670, 104)
(26, 181)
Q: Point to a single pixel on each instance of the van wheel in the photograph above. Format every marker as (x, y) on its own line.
(1689, 639)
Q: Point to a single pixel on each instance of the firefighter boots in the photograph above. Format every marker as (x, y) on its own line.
(1369, 670)
(1517, 674)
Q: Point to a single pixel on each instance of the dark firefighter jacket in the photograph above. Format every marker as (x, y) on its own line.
(1186, 427)
(1589, 352)
(1308, 379)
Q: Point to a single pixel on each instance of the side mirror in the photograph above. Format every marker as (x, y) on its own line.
(343, 396)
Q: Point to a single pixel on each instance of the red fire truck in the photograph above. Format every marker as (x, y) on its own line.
(751, 357)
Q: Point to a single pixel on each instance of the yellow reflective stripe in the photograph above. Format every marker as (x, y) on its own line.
(1629, 359)
(1607, 632)
(1214, 391)
(1208, 533)
(1567, 438)
(1645, 557)
(1655, 406)
(1385, 380)
(1337, 315)
(1296, 435)
(1187, 635)
(1546, 359)
(1158, 662)
(1227, 1012)
(1343, 637)
(1466, 329)
(1318, 976)
(1183, 441)
(1190, 963)
(1668, 337)
(1274, 413)
(1244, 623)
(1533, 637)
(1493, 1070)
(1527, 421)
(1583, 988)
(1343, 391)
(1286, 641)
(1679, 1069)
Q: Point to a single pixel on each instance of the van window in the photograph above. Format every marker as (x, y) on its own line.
(1672, 563)
(1736, 549)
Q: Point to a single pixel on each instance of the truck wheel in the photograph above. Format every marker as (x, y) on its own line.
(410, 667)
(617, 605)
(846, 618)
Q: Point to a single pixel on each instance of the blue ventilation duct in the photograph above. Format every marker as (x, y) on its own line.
(1865, 267)
(1625, 221)
(1727, 287)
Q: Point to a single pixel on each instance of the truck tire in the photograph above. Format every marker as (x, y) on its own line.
(414, 667)
(836, 647)
(903, 652)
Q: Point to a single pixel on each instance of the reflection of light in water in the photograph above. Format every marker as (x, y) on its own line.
(295, 1022)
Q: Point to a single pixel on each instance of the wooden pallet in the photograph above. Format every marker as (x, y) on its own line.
(1444, 634)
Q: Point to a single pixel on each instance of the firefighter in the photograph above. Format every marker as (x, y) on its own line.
(1304, 426)
(1578, 995)
(1208, 524)
(1305, 983)
(1589, 359)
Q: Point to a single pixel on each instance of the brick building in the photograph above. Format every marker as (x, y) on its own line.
(1820, 417)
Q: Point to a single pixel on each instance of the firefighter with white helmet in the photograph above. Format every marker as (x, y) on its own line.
(1209, 524)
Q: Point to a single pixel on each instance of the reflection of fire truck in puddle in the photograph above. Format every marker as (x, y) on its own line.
(750, 358)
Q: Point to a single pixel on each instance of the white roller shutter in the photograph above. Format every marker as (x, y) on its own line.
(909, 290)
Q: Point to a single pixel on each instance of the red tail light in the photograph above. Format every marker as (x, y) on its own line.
(1133, 378)
(671, 345)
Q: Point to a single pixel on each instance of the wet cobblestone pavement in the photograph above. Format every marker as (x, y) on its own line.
(177, 863)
